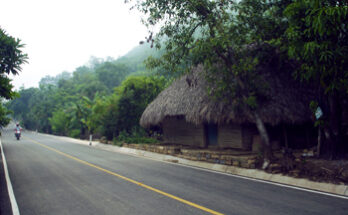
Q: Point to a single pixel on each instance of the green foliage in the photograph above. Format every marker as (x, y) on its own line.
(76, 133)
(4, 113)
(6, 87)
(222, 35)
(60, 122)
(100, 99)
(125, 107)
(136, 93)
(95, 120)
(116, 142)
(318, 39)
(138, 136)
(111, 75)
(234, 40)
(11, 59)
(141, 140)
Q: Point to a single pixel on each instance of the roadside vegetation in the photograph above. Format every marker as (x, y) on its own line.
(11, 59)
(103, 98)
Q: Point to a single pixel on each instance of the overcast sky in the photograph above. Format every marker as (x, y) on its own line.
(61, 35)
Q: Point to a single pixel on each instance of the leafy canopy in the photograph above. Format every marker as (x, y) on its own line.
(11, 59)
(318, 39)
(222, 35)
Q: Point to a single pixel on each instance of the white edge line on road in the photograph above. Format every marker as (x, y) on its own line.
(264, 181)
(243, 177)
(234, 175)
(15, 209)
(227, 174)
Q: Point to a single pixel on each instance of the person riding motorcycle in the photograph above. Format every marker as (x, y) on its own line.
(18, 130)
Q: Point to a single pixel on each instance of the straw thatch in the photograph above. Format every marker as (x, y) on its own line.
(288, 102)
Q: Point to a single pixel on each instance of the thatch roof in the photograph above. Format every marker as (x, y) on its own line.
(288, 102)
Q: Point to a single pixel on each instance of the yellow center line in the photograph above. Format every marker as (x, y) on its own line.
(129, 180)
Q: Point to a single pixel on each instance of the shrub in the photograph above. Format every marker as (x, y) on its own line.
(75, 133)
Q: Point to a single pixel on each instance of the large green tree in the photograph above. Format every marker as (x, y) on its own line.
(135, 94)
(21, 107)
(231, 38)
(124, 108)
(11, 59)
(111, 75)
(318, 41)
(4, 112)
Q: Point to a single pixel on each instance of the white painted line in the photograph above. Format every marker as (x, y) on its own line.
(15, 209)
(264, 181)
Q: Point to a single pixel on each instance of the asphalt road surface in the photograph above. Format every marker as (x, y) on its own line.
(53, 176)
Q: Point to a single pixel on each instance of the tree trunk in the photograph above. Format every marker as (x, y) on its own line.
(331, 146)
(308, 141)
(335, 123)
(328, 143)
(320, 139)
(285, 134)
(82, 130)
(267, 150)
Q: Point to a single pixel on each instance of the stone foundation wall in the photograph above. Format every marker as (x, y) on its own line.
(219, 157)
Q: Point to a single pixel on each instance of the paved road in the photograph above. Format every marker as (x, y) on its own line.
(53, 176)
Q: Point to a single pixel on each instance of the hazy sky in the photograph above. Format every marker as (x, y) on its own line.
(61, 35)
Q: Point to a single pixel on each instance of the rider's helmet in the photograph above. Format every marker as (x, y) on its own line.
(17, 124)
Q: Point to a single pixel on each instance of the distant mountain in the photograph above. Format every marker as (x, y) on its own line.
(135, 57)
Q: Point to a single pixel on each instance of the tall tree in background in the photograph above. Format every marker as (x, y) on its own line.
(224, 36)
(4, 112)
(111, 74)
(11, 59)
(123, 109)
(318, 41)
(135, 94)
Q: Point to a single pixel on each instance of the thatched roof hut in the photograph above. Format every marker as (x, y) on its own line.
(288, 102)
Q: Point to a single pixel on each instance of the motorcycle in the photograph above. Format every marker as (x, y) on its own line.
(18, 134)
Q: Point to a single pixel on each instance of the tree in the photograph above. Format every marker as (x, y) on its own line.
(318, 41)
(21, 107)
(4, 112)
(11, 59)
(96, 121)
(109, 115)
(111, 75)
(60, 122)
(42, 106)
(135, 94)
(81, 102)
(232, 39)
(122, 110)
